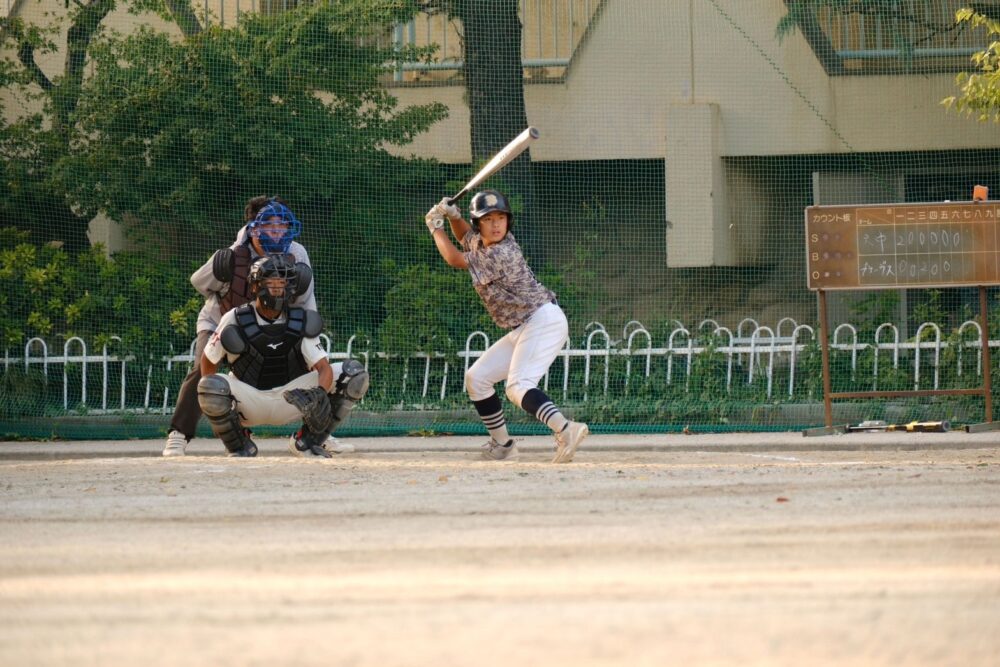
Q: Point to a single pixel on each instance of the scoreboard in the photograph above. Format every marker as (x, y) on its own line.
(903, 245)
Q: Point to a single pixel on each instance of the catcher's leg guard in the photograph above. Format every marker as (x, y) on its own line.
(217, 403)
(349, 388)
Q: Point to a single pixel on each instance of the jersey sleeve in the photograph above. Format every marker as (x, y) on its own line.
(214, 351)
(312, 351)
(203, 279)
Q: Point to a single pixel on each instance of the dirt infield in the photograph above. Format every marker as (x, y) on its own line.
(735, 550)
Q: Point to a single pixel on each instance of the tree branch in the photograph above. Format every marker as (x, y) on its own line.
(81, 32)
(26, 54)
(184, 17)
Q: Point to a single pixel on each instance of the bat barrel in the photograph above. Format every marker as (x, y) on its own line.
(506, 155)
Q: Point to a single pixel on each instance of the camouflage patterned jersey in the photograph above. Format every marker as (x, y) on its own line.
(505, 283)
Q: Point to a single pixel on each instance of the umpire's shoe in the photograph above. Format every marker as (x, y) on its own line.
(568, 440)
(176, 444)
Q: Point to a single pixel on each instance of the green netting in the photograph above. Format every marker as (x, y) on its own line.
(663, 203)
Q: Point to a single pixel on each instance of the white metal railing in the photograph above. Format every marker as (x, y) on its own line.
(551, 29)
(755, 350)
(931, 29)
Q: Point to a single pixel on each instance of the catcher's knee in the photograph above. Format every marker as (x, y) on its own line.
(215, 396)
(216, 401)
(349, 388)
(353, 381)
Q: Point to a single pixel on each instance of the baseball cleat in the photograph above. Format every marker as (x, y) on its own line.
(299, 448)
(249, 450)
(569, 440)
(494, 451)
(337, 446)
(176, 444)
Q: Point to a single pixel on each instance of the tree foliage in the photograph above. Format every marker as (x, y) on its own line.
(153, 128)
(980, 91)
(48, 293)
(179, 134)
(171, 135)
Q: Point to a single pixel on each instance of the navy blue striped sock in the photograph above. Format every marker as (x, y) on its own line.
(491, 412)
(541, 407)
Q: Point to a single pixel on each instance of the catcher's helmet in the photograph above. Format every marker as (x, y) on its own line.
(275, 212)
(273, 266)
(488, 201)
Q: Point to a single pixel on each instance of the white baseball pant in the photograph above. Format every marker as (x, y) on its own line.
(268, 406)
(522, 357)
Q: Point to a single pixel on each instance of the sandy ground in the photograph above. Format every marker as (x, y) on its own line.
(710, 550)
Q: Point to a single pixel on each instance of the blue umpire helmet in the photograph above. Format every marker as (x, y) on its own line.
(488, 201)
(262, 227)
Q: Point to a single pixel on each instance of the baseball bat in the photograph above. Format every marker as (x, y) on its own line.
(911, 427)
(517, 146)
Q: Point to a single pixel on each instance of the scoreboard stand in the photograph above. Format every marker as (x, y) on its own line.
(902, 246)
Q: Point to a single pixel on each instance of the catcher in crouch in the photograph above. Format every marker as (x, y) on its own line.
(516, 301)
(278, 371)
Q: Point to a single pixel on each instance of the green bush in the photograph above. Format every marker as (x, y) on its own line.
(431, 309)
(48, 293)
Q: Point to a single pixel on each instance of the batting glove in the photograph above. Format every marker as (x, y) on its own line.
(447, 209)
(439, 213)
(434, 220)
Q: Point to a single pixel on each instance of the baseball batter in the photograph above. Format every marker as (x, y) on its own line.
(516, 301)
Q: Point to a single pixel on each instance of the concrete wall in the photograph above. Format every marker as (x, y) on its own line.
(643, 56)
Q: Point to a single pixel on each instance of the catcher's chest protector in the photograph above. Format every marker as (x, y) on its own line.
(239, 287)
(273, 356)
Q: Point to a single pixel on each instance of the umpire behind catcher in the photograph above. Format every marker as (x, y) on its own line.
(278, 371)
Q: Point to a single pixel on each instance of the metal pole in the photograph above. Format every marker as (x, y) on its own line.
(987, 370)
(825, 348)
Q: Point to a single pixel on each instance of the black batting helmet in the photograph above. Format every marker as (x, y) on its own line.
(273, 266)
(488, 201)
